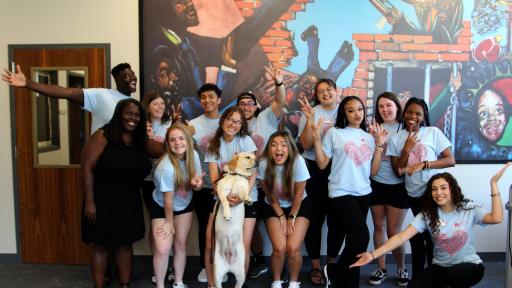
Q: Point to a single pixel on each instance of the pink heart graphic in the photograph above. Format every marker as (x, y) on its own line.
(358, 154)
(452, 244)
(417, 155)
(203, 143)
(181, 192)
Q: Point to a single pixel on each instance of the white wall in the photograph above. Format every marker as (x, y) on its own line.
(116, 22)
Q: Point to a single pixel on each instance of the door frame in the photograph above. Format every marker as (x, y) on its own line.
(17, 258)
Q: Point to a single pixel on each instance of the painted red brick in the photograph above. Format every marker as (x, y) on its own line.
(267, 41)
(363, 66)
(278, 25)
(394, 55)
(363, 93)
(273, 49)
(455, 57)
(412, 47)
(365, 45)
(402, 38)
(464, 40)
(426, 56)
(465, 33)
(297, 7)
(381, 37)
(458, 48)
(361, 74)
(387, 46)
(436, 47)
(358, 83)
(283, 43)
(466, 24)
(287, 16)
(275, 56)
(367, 56)
(422, 39)
(362, 37)
(278, 33)
(247, 12)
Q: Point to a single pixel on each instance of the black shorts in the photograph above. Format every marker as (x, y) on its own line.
(156, 211)
(393, 195)
(251, 211)
(147, 193)
(304, 211)
(260, 204)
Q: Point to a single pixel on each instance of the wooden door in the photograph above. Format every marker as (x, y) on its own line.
(50, 198)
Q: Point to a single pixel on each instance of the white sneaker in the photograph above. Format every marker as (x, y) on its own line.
(294, 284)
(201, 277)
(276, 284)
(179, 285)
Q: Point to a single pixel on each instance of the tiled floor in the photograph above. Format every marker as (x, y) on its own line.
(20, 276)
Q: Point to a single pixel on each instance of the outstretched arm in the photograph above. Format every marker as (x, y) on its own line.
(18, 79)
(496, 215)
(279, 100)
(390, 245)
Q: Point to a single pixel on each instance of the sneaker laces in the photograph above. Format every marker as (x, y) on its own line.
(402, 273)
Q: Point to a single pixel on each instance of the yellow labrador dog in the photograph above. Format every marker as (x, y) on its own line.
(229, 255)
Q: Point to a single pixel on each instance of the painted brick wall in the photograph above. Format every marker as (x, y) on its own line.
(415, 48)
(278, 41)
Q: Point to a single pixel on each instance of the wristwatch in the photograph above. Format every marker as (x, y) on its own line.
(291, 216)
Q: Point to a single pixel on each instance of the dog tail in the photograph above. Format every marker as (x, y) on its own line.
(215, 212)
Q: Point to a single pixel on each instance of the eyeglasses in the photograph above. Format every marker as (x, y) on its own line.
(328, 90)
(230, 121)
(248, 104)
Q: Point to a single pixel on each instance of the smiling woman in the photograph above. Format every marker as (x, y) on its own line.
(114, 164)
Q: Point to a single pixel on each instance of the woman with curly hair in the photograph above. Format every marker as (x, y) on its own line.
(449, 217)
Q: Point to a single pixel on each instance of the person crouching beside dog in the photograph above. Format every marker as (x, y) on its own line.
(177, 173)
(230, 138)
(282, 173)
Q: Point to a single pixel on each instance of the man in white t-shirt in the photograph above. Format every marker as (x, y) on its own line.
(99, 101)
(205, 127)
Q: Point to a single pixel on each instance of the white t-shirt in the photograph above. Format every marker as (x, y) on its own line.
(300, 173)
(227, 150)
(430, 145)
(101, 103)
(329, 117)
(164, 182)
(266, 124)
(455, 242)
(351, 151)
(386, 174)
(205, 129)
(159, 131)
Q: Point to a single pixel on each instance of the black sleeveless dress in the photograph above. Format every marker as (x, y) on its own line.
(118, 177)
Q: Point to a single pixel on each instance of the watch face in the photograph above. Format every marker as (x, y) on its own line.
(291, 216)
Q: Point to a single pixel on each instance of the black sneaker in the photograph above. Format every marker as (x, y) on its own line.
(402, 277)
(378, 276)
(258, 268)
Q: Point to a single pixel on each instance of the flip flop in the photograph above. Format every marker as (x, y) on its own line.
(315, 276)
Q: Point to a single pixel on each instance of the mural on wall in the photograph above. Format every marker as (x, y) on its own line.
(454, 54)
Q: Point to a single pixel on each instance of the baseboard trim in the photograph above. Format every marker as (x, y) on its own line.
(10, 259)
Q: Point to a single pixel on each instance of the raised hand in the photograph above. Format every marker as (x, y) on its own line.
(411, 141)
(380, 135)
(16, 79)
(306, 108)
(149, 129)
(316, 129)
(497, 176)
(364, 258)
(176, 113)
(273, 73)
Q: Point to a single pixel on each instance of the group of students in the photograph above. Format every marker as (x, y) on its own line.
(348, 165)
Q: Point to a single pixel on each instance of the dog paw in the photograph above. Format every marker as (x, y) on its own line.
(227, 216)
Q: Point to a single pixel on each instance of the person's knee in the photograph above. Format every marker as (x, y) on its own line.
(292, 249)
(279, 250)
(180, 245)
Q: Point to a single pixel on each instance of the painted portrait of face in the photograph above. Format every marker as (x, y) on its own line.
(491, 115)
(186, 12)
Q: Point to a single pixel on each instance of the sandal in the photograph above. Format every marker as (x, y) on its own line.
(315, 276)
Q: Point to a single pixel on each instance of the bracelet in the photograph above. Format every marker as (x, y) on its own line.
(381, 148)
(279, 84)
(426, 165)
(373, 256)
(280, 215)
(496, 195)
